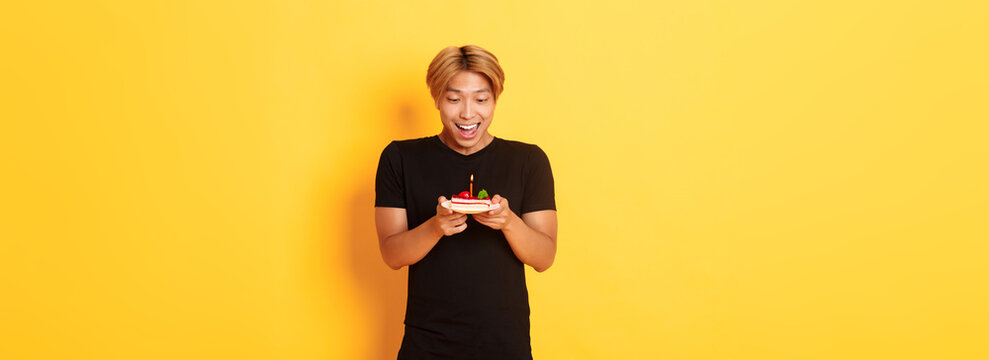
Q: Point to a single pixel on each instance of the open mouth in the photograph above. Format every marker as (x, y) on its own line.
(468, 131)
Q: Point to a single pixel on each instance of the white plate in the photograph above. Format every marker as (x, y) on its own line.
(446, 204)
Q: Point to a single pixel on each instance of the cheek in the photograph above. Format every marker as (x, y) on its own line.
(486, 111)
(446, 112)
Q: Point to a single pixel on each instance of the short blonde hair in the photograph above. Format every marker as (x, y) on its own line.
(452, 60)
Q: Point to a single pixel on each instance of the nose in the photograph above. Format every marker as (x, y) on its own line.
(466, 112)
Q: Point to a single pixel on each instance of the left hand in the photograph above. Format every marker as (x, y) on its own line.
(498, 218)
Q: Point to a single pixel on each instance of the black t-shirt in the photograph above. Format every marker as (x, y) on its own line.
(467, 296)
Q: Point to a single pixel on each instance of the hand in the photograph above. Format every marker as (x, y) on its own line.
(447, 221)
(498, 218)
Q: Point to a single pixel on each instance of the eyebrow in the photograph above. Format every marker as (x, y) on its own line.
(461, 91)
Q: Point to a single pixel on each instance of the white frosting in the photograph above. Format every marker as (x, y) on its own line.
(471, 201)
(460, 204)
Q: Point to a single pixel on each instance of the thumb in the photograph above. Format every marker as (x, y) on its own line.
(443, 210)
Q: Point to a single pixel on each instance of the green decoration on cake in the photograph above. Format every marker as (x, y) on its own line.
(483, 194)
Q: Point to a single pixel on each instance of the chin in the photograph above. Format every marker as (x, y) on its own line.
(467, 144)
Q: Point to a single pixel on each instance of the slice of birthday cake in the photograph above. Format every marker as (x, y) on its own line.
(466, 203)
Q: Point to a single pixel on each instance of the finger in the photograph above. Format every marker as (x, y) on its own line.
(503, 202)
(458, 219)
(460, 228)
(439, 206)
(489, 223)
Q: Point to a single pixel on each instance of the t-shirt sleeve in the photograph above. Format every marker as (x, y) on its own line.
(389, 184)
(539, 191)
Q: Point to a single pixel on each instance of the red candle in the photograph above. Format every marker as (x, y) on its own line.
(472, 185)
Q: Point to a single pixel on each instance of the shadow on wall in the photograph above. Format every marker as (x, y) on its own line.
(383, 290)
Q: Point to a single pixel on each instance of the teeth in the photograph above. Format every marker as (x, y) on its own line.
(467, 127)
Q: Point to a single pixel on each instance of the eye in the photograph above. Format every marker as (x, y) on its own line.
(452, 100)
(482, 100)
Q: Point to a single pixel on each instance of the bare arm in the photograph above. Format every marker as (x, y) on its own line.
(532, 236)
(401, 246)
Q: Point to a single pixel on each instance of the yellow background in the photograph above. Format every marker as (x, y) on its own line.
(735, 180)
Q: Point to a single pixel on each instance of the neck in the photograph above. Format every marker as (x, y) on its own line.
(451, 143)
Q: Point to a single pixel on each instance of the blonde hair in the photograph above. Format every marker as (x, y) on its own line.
(452, 60)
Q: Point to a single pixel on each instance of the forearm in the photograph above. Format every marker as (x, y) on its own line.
(408, 247)
(530, 246)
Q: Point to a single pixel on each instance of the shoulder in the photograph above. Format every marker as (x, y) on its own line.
(397, 148)
(522, 148)
(409, 144)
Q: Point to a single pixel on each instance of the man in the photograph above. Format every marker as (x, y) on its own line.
(467, 292)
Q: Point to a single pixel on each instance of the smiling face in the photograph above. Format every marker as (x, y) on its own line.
(466, 109)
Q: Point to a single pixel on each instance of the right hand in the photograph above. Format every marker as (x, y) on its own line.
(448, 221)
